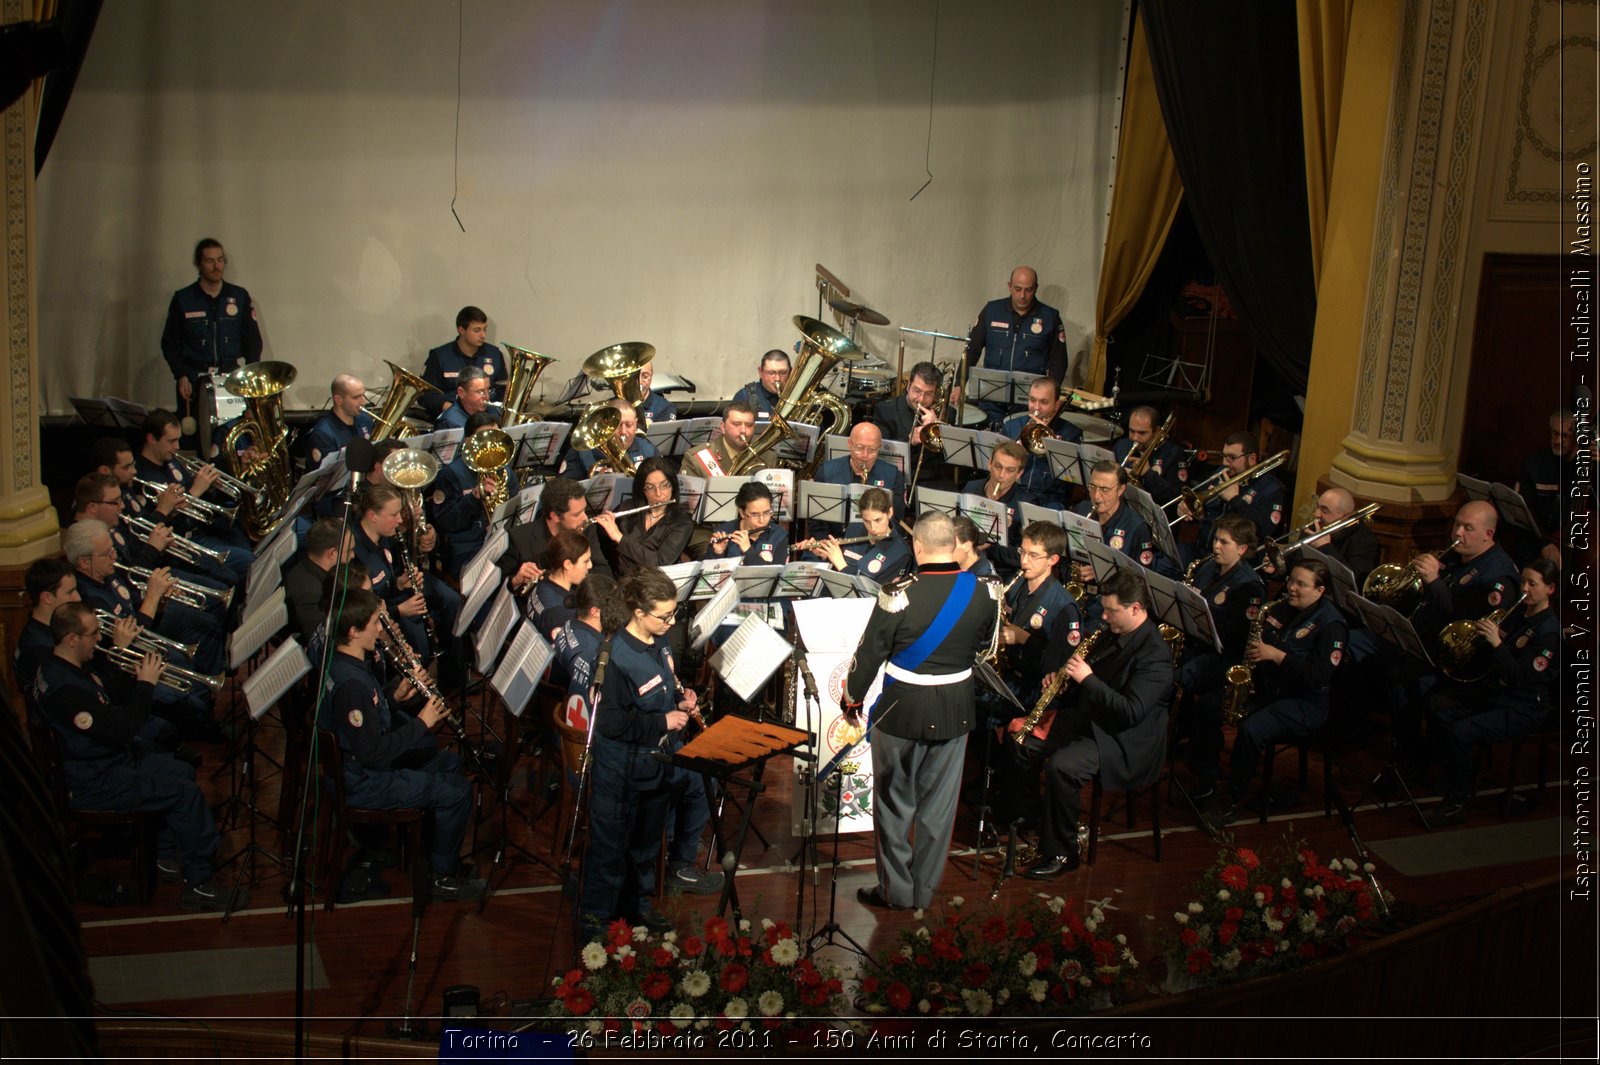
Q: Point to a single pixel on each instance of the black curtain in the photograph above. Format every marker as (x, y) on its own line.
(75, 20)
(1228, 77)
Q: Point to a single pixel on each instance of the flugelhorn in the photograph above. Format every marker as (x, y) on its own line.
(147, 640)
(1196, 501)
(182, 548)
(174, 677)
(196, 595)
(1399, 585)
(202, 510)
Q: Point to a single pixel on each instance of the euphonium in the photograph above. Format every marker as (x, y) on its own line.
(1240, 683)
(617, 368)
(1399, 586)
(823, 348)
(175, 677)
(1053, 690)
(403, 391)
(268, 476)
(597, 431)
(523, 373)
(488, 454)
(1461, 648)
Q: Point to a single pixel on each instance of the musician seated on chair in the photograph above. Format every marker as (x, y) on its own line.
(1545, 479)
(107, 769)
(1355, 545)
(862, 466)
(98, 497)
(378, 546)
(566, 565)
(656, 407)
(302, 585)
(1003, 485)
(761, 395)
(753, 533)
(1038, 610)
(472, 397)
(883, 556)
(716, 459)
(470, 348)
(376, 743)
(1167, 472)
(1044, 410)
(907, 416)
(1121, 527)
(970, 544)
(457, 500)
(581, 465)
(1111, 722)
(655, 537)
(1303, 642)
(562, 505)
(157, 464)
(1262, 499)
(1517, 696)
(347, 419)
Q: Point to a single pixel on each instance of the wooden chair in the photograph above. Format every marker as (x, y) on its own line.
(145, 827)
(1322, 741)
(572, 742)
(1130, 797)
(336, 843)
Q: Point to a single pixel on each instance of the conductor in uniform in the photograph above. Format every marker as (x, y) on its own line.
(925, 633)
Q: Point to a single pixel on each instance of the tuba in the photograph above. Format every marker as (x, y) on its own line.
(597, 431)
(267, 477)
(488, 454)
(824, 347)
(526, 366)
(617, 368)
(403, 391)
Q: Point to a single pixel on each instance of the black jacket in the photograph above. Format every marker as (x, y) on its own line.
(1126, 699)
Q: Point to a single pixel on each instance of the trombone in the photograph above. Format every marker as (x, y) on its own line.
(175, 677)
(231, 486)
(1196, 501)
(182, 548)
(148, 640)
(199, 509)
(196, 595)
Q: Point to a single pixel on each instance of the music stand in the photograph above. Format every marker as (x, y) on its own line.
(1345, 588)
(710, 616)
(108, 412)
(781, 484)
(985, 672)
(1155, 517)
(538, 443)
(606, 491)
(1512, 507)
(444, 442)
(515, 681)
(489, 581)
(691, 493)
(1006, 388)
(1390, 626)
(492, 633)
(677, 438)
(1066, 461)
(833, 505)
(970, 447)
(844, 585)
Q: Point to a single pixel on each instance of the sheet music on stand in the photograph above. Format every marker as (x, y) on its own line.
(844, 585)
(1079, 527)
(1344, 578)
(1512, 507)
(314, 484)
(525, 662)
(758, 582)
(108, 412)
(574, 388)
(781, 484)
(895, 452)
(970, 447)
(1006, 387)
(1389, 625)
(492, 634)
(280, 672)
(710, 616)
(538, 443)
(749, 658)
(518, 508)
(1107, 560)
(606, 491)
(443, 443)
(1191, 610)
(720, 504)
(1068, 460)
(796, 450)
(257, 627)
(691, 493)
(836, 503)
(678, 438)
(1155, 517)
(988, 515)
(489, 580)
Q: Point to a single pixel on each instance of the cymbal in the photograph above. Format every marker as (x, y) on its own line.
(874, 373)
(859, 311)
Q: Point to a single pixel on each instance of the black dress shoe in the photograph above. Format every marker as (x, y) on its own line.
(873, 897)
(1049, 868)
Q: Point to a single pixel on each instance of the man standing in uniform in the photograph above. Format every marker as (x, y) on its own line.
(471, 347)
(925, 634)
(211, 325)
(1018, 334)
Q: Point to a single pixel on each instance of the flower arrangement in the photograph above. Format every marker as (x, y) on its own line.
(1043, 957)
(1249, 916)
(724, 977)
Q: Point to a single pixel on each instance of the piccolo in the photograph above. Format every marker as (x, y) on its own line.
(631, 510)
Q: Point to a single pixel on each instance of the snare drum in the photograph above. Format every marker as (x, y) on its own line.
(972, 416)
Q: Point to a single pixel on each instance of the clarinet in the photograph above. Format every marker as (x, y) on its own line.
(399, 652)
(414, 575)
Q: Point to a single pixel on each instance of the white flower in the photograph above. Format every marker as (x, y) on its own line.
(624, 951)
(744, 924)
(682, 1012)
(923, 1005)
(670, 937)
(1230, 961)
(957, 901)
(1350, 864)
(785, 952)
(1084, 981)
(1037, 989)
(1028, 964)
(1005, 993)
(1283, 946)
(1288, 885)
(907, 953)
(737, 1009)
(1195, 907)
(978, 1002)
(1098, 914)
(1223, 894)
(1122, 940)
(922, 932)
(1369, 868)
(918, 914)
(640, 933)
(1092, 925)
(1181, 918)
(770, 1003)
(594, 957)
(671, 948)
(595, 1027)
(766, 923)
(1308, 920)
(1273, 924)
(695, 983)
(1319, 891)
(1261, 900)
(1127, 956)
(1056, 905)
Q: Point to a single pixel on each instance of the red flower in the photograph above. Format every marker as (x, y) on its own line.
(994, 930)
(1069, 941)
(1045, 955)
(580, 1002)
(574, 977)
(693, 946)
(735, 978)
(1248, 857)
(1234, 914)
(655, 986)
(977, 974)
(1226, 933)
(899, 997)
(1249, 952)
(1265, 891)
(662, 957)
(668, 1028)
(1024, 928)
(944, 945)
(629, 962)
(716, 928)
(1199, 960)
(1234, 876)
(1188, 937)
(619, 932)
(1308, 950)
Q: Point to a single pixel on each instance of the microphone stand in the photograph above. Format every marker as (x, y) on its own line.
(813, 725)
(829, 934)
(601, 662)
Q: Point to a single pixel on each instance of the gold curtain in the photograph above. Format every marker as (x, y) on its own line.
(1144, 201)
(1324, 36)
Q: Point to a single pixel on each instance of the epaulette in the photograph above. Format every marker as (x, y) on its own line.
(892, 596)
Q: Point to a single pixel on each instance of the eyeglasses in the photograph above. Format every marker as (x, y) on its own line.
(1037, 556)
(665, 619)
(109, 552)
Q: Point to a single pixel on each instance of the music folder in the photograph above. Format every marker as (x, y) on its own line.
(257, 627)
(1512, 507)
(1155, 517)
(749, 657)
(711, 615)
(492, 635)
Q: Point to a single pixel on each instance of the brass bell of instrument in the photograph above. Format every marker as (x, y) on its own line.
(597, 431)
(403, 391)
(617, 368)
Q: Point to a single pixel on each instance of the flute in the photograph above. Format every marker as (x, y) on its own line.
(806, 545)
(631, 510)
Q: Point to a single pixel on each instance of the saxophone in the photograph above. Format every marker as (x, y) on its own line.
(1053, 690)
(1001, 616)
(1240, 683)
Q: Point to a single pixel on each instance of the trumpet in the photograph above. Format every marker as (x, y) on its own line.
(624, 513)
(1275, 552)
(1196, 501)
(201, 510)
(815, 541)
(231, 486)
(148, 640)
(174, 677)
(183, 549)
(1396, 585)
(196, 595)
